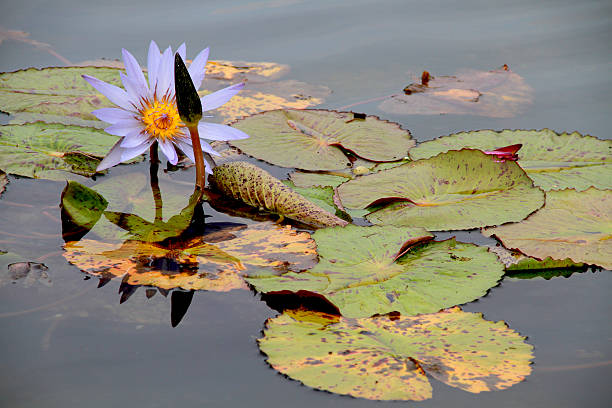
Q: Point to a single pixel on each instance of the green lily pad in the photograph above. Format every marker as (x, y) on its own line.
(318, 139)
(369, 270)
(516, 261)
(455, 190)
(52, 151)
(305, 180)
(321, 196)
(553, 161)
(389, 358)
(574, 225)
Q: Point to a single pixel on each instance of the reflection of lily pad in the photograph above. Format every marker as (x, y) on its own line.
(454, 190)
(81, 205)
(574, 225)
(553, 161)
(515, 261)
(315, 139)
(499, 93)
(196, 264)
(389, 358)
(52, 151)
(359, 274)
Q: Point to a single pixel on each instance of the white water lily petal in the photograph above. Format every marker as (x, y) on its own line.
(188, 150)
(123, 127)
(135, 138)
(112, 158)
(197, 69)
(182, 51)
(220, 97)
(130, 153)
(134, 72)
(168, 150)
(112, 115)
(115, 94)
(153, 59)
(132, 89)
(215, 131)
(165, 74)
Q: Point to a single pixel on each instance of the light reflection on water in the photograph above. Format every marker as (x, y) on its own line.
(85, 348)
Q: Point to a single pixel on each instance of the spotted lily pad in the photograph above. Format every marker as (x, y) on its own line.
(574, 225)
(319, 139)
(52, 151)
(500, 93)
(454, 190)
(364, 271)
(196, 264)
(553, 161)
(389, 358)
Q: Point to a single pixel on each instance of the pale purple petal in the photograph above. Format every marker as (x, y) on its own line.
(205, 147)
(134, 138)
(112, 115)
(182, 51)
(131, 88)
(188, 150)
(165, 73)
(127, 154)
(113, 157)
(168, 149)
(153, 64)
(124, 127)
(220, 97)
(197, 69)
(215, 131)
(134, 72)
(115, 94)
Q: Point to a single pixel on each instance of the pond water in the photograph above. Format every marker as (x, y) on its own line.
(73, 344)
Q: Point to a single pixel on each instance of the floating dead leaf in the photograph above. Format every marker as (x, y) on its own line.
(389, 358)
(196, 264)
(3, 181)
(500, 93)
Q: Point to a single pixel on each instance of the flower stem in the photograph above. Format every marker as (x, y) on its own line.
(199, 157)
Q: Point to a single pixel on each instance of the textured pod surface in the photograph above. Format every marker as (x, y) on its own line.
(248, 183)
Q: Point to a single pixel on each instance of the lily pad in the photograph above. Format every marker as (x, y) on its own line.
(554, 161)
(500, 93)
(389, 358)
(60, 95)
(305, 180)
(516, 261)
(574, 225)
(319, 139)
(455, 190)
(196, 264)
(52, 151)
(372, 270)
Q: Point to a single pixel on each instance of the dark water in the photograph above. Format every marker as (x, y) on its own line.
(72, 344)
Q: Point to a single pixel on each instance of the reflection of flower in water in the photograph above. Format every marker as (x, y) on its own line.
(195, 264)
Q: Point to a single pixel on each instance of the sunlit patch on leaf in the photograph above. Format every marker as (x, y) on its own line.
(500, 93)
(197, 264)
(574, 225)
(256, 187)
(245, 71)
(52, 151)
(454, 190)
(374, 270)
(553, 161)
(320, 139)
(516, 261)
(383, 358)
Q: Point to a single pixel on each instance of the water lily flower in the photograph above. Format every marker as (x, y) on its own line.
(147, 112)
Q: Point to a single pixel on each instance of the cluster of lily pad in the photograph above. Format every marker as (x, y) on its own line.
(393, 288)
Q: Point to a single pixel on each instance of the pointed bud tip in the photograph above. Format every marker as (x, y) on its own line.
(187, 98)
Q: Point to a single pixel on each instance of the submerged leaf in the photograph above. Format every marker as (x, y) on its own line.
(374, 270)
(574, 225)
(515, 261)
(454, 190)
(319, 139)
(499, 93)
(553, 161)
(389, 358)
(52, 151)
(197, 264)
(13, 269)
(256, 187)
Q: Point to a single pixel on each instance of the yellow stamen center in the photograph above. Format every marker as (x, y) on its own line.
(161, 119)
